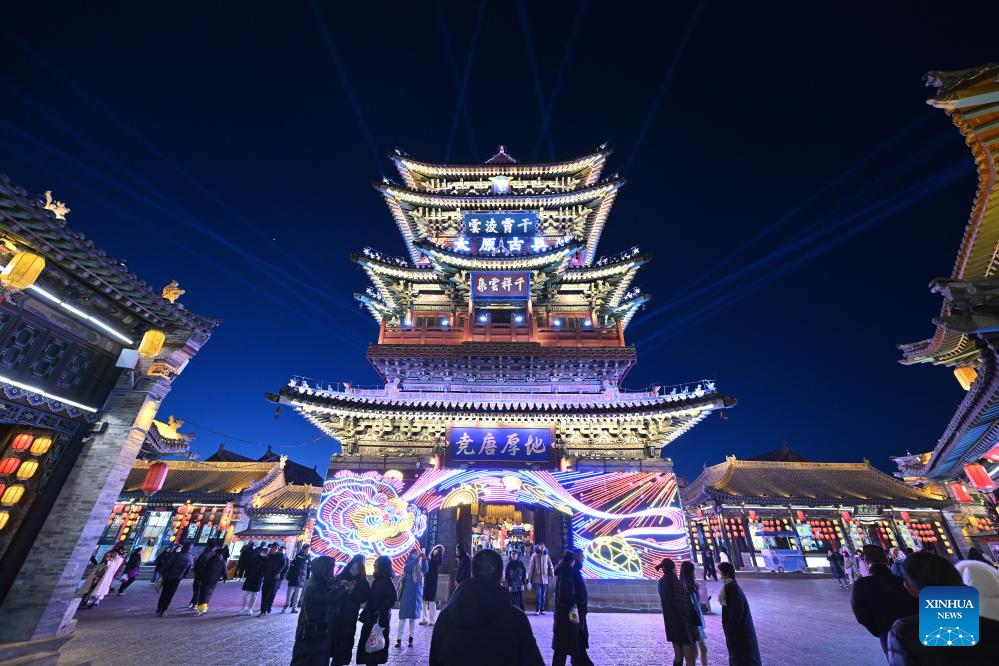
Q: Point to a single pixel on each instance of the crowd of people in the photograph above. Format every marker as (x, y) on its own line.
(886, 603)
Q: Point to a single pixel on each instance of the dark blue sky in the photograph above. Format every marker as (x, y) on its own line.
(796, 191)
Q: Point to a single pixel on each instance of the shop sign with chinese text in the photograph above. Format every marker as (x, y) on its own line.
(500, 232)
(501, 285)
(499, 446)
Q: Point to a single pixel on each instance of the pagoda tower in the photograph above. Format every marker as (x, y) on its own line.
(501, 346)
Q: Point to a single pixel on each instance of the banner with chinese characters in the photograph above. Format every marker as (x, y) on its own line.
(499, 446)
(503, 232)
(501, 285)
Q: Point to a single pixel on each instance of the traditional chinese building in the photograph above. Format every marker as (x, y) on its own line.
(87, 353)
(228, 498)
(966, 339)
(502, 419)
(781, 510)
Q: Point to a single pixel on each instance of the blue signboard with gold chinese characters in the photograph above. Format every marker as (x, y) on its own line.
(501, 446)
(501, 285)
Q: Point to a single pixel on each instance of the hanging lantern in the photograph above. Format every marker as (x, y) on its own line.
(845, 515)
(993, 455)
(9, 465)
(152, 343)
(4, 517)
(752, 516)
(979, 477)
(905, 516)
(12, 495)
(21, 442)
(956, 488)
(41, 446)
(800, 514)
(965, 377)
(155, 476)
(27, 469)
(22, 271)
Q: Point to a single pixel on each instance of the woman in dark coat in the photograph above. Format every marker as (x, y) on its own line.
(132, 570)
(430, 585)
(566, 634)
(679, 615)
(737, 621)
(463, 566)
(354, 591)
(378, 609)
(213, 568)
(689, 582)
(254, 580)
(313, 635)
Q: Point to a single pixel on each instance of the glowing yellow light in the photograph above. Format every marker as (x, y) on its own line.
(41, 446)
(22, 271)
(12, 495)
(4, 517)
(965, 377)
(152, 343)
(27, 469)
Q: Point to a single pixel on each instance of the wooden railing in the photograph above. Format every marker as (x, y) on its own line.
(553, 336)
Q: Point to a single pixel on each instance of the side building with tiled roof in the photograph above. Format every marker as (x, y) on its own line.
(782, 511)
(88, 352)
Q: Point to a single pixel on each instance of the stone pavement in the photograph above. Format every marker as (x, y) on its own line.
(799, 622)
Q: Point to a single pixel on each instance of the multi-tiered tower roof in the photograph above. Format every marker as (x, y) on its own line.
(502, 313)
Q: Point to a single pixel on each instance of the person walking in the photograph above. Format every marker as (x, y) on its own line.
(860, 564)
(976, 555)
(298, 574)
(679, 615)
(354, 592)
(196, 581)
(104, 578)
(253, 579)
(161, 561)
(708, 563)
(173, 572)
(271, 569)
(377, 612)
(430, 585)
(313, 633)
(689, 582)
(896, 558)
(413, 572)
(213, 569)
(540, 572)
(463, 566)
(847, 558)
(880, 598)
(131, 570)
(248, 550)
(516, 579)
(836, 568)
(566, 628)
(737, 621)
(905, 642)
(479, 626)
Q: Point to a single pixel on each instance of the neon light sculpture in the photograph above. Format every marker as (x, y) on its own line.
(625, 521)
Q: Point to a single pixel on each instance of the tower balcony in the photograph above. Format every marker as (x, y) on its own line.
(441, 332)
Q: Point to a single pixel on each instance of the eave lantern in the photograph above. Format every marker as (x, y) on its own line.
(959, 492)
(966, 376)
(979, 477)
(152, 343)
(22, 271)
(155, 476)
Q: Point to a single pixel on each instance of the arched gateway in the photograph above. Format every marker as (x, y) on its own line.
(502, 421)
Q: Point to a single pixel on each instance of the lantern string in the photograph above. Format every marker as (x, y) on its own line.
(254, 442)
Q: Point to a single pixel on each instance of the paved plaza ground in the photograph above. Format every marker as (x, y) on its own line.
(800, 622)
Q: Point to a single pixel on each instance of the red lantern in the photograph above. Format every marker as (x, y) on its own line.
(752, 516)
(960, 492)
(22, 442)
(979, 477)
(845, 515)
(801, 514)
(9, 465)
(905, 516)
(155, 477)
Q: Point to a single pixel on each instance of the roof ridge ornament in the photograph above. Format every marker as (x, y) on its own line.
(58, 208)
(501, 157)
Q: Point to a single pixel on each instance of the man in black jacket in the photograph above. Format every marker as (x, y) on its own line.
(905, 647)
(582, 606)
(880, 598)
(245, 553)
(478, 614)
(298, 573)
(174, 571)
(272, 566)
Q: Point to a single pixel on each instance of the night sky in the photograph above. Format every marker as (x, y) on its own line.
(797, 193)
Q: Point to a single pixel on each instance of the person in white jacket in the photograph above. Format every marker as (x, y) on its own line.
(984, 578)
(540, 573)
